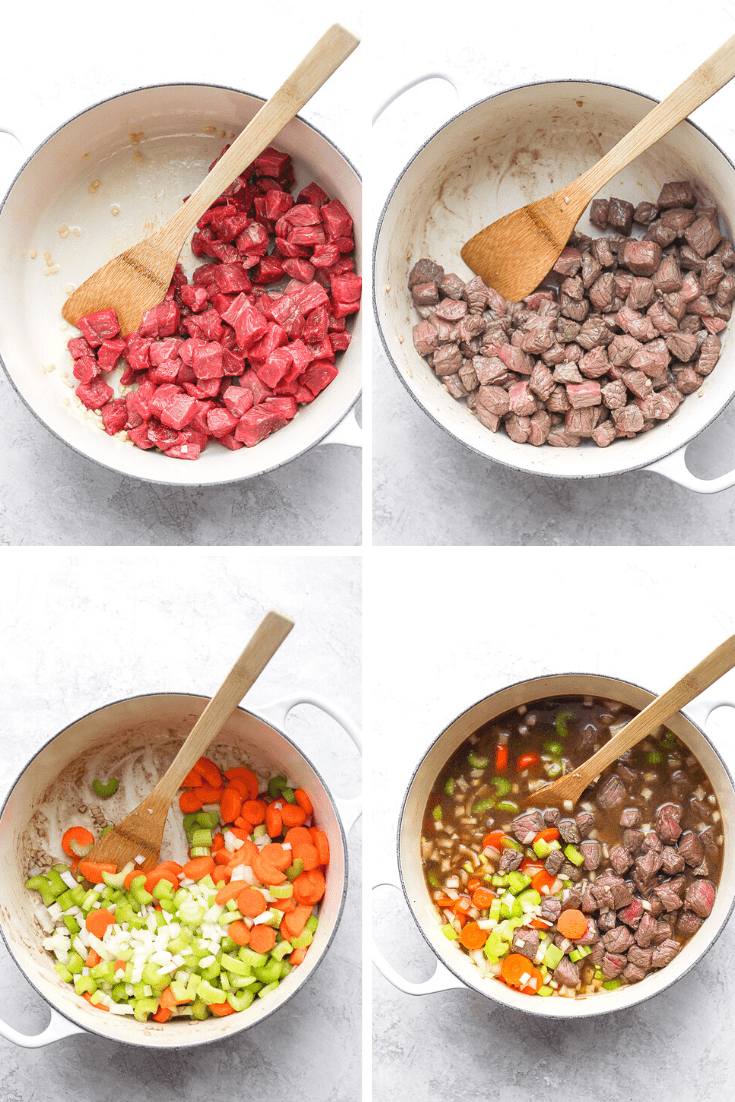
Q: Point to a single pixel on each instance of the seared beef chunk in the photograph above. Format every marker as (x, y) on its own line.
(592, 935)
(691, 848)
(668, 822)
(567, 972)
(510, 859)
(607, 920)
(640, 957)
(620, 859)
(592, 853)
(611, 793)
(688, 923)
(664, 953)
(569, 831)
(550, 908)
(672, 861)
(631, 817)
(652, 843)
(554, 862)
(551, 816)
(585, 822)
(633, 973)
(526, 827)
(526, 941)
(425, 271)
(633, 840)
(646, 930)
(700, 897)
(669, 896)
(632, 914)
(612, 965)
(618, 940)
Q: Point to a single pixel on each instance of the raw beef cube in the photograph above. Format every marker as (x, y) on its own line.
(297, 268)
(203, 275)
(307, 236)
(178, 410)
(324, 256)
(258, 388)
(312, 296)
(206, 325)
(161, 321)
(317, 325)
(253, 240)
(271, 163)
(285, 388)
(162, 436)
(336, 219)
(95, 393)
(187, 450)
(318, 375)
(300, 354)
(220, 422)
(322, 350)
(203, 388)
(233, 363)
(99, 327)
(186, 350)
(231, 443)
(139, 436)
(206, 361)
(275, 367)
(303, 214)
(138, 352)
(340, 342)
(238, 400)
(162, 352)
(287, 249)
(270, 270)
(114, 415)
(142, 398)
(231, 278)
(282, 407)
(303, 394)
(347, 288)
(194, 297)
(275, 337)
(86, 369)
(258, 423)
(313, 194)
(277, 203)
(194, 436)
(162, 395)
(344, 244)
(80, 346)
(133, 419)
(249, 324)
(168, 372)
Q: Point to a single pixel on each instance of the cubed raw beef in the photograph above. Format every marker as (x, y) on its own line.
(114, 415)
(99, 327)
(318, 375)
(95, 393)
(160, 321)
(271, 162)
(79, 346)
(187, 450)
(221, 422)
(275, 367)
(85, 369)
(206, 361)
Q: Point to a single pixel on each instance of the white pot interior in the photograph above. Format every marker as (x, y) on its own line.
(136, 740)
(410, 847)
(167, 127)
(498, 156)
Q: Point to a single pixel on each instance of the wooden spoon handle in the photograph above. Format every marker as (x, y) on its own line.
(268, 637)
(712, 75)
(704, 674)
(307, 78)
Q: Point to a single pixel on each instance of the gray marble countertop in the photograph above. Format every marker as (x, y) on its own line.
(428, 488)
(50, 494)
(447, 651)
(82, 630)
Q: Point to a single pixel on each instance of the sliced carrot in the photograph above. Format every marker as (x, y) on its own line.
(493, 840)
(119, 965)
(79, 835)
(297, 957)
(265, 873)
(322, 846)
(198, 867)
(189, 802)
(549, 834)
(192, 779)
(92, 870)
(220, 875)
(482, 898)
(222, 856)
(168, 999)
(208, 794)
(297, 920)
(285, 906)
(230, 804)
(572, 924)
(161, 1015)
(237, 784)
(239, 932)
(254, 811)
(230, 891)
(528, 761)
(531, 867)
(262, 939)
(93, 958)
(274, 854)
(474, 884)
(97, 1006)
(297, 836)
(472, 937)
(273, 821)
(542, 881)
(218, 842)
(174, 866)
(501, 758)
(210, 772)
(243, 855)
(293, 815)
(131, 877)
(241, 773)
(98, 920)
(251, 902)
(515, 968)
(308, 854)
(221, 1009)
(539, 924)
(302, 799)
(309, 887)
(160, 874)
(241, 832)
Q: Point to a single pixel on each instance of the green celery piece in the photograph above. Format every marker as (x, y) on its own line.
(200, 851)
(234, 964)
(510, 843)
(41, 884)
(267, 989)
(562, 719)
(269, 973)
(71, 924)
(63, 972)
(201, 837)
(507, 805)
(502, 786)
(163, 889)
(276, 786)
(610, 985)
(85, 983)
(119, 994)
(303, 940)
(210, 994)
(312, 923)
(529, 896)
(189, 820)
(449, 786)
(213, 971)
(285, 891)
(255, 960)
(481, 806)
(554, 748)
(477, 761)
(541, 848)
(450, 932)
(117, 879)
(553, 955)
(75, 964)
(495, 947)
(281, 950)
(295, 869)
(240, 1000)
(289, 795)
(437, 813)
(545, 991)
(517, 881)
(200, 1011)
(104, 791)
(207, 819)
(143, 1007)
(58, 887)
(573, 854)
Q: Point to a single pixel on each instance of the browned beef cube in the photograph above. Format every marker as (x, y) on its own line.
(598, 213)
(707, 837)
(468, 376)
(569, 831)
(711, 274)
(611, 792)
(454, 385)
(689, 259)
(447, 360)
(425, 338)
(495, 399)
(591, 936)
(585, 821)
(590, 270)
(558, 402)
(490, 370)
(484, 416)
(667, 277)
(595, 331)
(567, 330)
(612, 965)
(475, 294)
(640, 294)
(582, 422)
(700, 898)
(652, 843)
(604, 434)
(709, 354)
(653, 359)
(618, 940)
(662, 932)
(607, 921)
(637, 325)
(691, 848)
(602, 291)
(526, 827)
(641, 257)
(687, 381)
(521, 400)
(682, 346)
(633, 840)
(515, 359)
(567, 973)
(678, 193)
(451, 311)
(602, 252)
(646, 930)
(622, 349)
(526, 941)
(554, 862)
(559, 437)
(425, 271)
(678, 219)
(672, 862)
(551, 816)
(569, 262)
(425, 294)
(550, 908)
(633, 973)
(647, 866)
(668, 822)
(640, 957)
(541, 381)
(631, 817)
(661, 234)
(661, 318)
(645, 213)
(628, 420)
(585, 394)
(725, 290)
(451, 286)
(669, 896)
(510, 859)
(688, 923)
(664, 954)
(703, 236)
(632, 914)
(540, 428)
(620, 859)
(620, 215)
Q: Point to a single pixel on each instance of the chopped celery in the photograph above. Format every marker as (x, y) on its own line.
(449, 786)
(502, 786)
(517, 881)
(507, 805)
(477, 761)
(104, 791)
(437, 813)
(450, 932)
(562, 719)
(541, 848)
(481, 806)
(573, 854)
(552, 956)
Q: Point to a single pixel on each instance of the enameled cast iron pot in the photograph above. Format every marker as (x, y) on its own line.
(454, 968)
(122, 737)
(498, 155)
(148, 149)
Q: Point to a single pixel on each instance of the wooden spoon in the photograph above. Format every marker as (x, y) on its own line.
(138, 278)
(140, 833)
(515, 253)
(571, 786)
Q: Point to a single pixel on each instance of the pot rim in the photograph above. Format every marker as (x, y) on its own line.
(337, 920)
(67, 443)
(487, 992)
(471, 447)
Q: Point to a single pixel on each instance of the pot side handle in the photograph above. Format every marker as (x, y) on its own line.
(442, 979)
(277, 712)
(347, 432)
(674, 467)
(12, 156)
(58, 1028)
(702, 708)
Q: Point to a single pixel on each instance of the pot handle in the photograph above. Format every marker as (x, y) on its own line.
(11, 157)
(674, 467)
(58, 1028)
(703, 707)
(442, 979)
(277, 712)
(347, 432)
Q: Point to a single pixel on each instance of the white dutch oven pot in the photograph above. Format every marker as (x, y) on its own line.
(499, 155)
(52, 190)
(121, 736)
(454, 968)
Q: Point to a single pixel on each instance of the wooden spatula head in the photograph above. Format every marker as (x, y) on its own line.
(131, 283)
(138, 835)
(515, 253)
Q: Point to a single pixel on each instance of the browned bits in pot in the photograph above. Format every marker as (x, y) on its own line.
(623, 329)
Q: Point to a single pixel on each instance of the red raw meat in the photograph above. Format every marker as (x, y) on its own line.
(86, 369)
(114, 415)
(95, 393)
(99, 327)
(318, 375)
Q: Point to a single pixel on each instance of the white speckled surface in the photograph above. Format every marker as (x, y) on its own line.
(80, 629)
(459, 632)
(74, 56)
(428, 488)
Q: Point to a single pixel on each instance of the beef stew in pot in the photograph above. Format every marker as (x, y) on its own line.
(580, 900)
